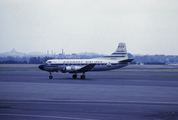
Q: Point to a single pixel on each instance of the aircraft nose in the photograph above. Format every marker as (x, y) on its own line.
(41, 67)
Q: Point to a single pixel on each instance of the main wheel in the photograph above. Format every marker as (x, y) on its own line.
(74, 76)
(50, 77)
(82, 77)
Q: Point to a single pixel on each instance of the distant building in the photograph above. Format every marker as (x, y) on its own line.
(13, 51)
(60, 56)
(62, 51)
(74, 55)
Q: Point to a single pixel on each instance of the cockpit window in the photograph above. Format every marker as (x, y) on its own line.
(49, 62)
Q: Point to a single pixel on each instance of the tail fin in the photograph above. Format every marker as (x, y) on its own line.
(121, 51)
(119, 54)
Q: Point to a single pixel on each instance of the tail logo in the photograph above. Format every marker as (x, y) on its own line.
(121, 46)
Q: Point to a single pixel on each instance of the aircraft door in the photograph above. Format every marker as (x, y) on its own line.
(109, 64)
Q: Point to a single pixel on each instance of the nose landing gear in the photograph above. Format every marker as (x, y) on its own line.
(50, 76)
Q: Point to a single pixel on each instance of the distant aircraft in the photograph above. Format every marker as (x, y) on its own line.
(116, 60)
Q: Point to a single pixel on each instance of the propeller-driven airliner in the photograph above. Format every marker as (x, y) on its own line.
(116, 60)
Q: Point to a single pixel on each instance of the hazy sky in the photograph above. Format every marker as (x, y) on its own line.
(146, 26)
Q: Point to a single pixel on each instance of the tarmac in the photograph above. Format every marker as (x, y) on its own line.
(131, 93)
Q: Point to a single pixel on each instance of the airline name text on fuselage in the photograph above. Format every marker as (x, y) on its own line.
(82, 61)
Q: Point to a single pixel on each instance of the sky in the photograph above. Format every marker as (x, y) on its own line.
(146, 26)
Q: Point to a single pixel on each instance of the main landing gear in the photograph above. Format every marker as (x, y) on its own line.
(82, 76)
(50, 76)
(74, 76)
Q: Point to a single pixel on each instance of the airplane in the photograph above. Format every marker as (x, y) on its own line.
(116, 60)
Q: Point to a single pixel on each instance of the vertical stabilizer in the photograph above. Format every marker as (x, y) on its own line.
(119, 54)
(121, 51)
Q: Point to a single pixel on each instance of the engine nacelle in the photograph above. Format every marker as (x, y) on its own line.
(70, 69)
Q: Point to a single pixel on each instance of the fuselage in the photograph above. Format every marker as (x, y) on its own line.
(75, 64)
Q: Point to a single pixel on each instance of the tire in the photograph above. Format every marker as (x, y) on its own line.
(82, 77)
(74, 76)
(50, 77)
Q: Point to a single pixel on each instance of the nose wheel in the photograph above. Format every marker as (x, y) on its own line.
(50, 76)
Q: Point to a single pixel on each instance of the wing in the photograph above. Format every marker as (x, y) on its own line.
(86, 68)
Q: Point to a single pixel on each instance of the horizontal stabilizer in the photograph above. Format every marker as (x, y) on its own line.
(126, 61)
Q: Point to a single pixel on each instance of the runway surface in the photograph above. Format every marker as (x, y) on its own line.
(131, 93)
